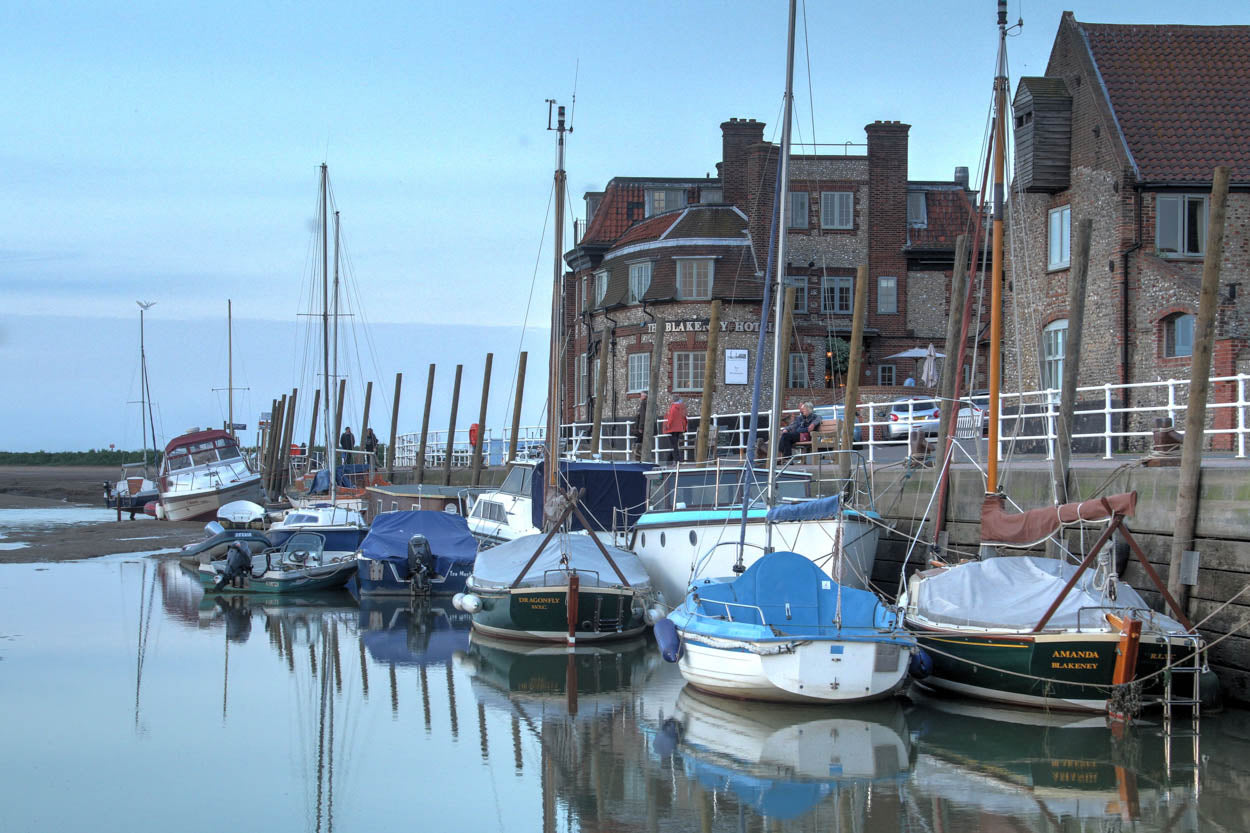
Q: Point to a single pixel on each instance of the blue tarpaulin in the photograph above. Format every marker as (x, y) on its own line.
(608, 485)
(448, 535)
(805, 510)
(321, 480)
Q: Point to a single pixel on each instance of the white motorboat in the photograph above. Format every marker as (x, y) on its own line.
(202, 471)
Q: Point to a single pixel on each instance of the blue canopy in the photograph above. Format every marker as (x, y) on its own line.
(448, 535)
(608, 485)
(805, 510)
(321, 480)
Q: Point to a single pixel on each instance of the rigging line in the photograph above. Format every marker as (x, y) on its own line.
(811, 97)
(516, 365)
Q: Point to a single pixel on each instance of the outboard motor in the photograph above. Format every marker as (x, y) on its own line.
(238, 565)
(420, 563)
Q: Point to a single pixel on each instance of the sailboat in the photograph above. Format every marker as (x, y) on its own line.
(1037, 631)
(783, 629)
(135, 489)
(557, 586)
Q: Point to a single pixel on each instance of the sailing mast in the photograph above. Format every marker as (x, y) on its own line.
(996, 273)
(550, 509)
(145, 393)
(325, 324)
(334, 366)
(230, 365)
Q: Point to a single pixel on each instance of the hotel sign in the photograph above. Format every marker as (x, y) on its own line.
(699, 325)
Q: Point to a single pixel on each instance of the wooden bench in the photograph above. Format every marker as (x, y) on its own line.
(826, 437)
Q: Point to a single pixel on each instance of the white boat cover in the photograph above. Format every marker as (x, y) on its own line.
(499, 566)
(1014, 592)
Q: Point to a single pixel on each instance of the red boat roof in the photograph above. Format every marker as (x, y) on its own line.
(186, 440)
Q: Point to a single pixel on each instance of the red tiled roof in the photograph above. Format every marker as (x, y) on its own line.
(1181, 95)
(649, 229)
(613, 216)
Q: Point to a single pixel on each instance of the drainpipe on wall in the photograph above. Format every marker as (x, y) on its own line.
(611, 336)
(1124, 310)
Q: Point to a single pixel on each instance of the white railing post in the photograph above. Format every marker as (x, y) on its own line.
(1241, 415)
(1106, 410)
(1172, 401)
(1051, 427)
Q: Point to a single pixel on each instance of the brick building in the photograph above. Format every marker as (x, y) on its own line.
(668, 247)
(1126, 128)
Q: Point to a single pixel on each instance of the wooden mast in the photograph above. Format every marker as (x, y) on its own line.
(556, 358)
(996, 274)
(325, 325)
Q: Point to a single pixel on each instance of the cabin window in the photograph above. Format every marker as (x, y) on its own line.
(228, 452)
(917, 209)
(887, 295)
(1060, 238)
(517, 482)
(1054, 348)
(179, 460)
(837, 209)
(1181, 225)
(694, 279)
(489, 510)
(798, 371)
(836, 295)
(639, 372)
(601, 286)
(205, 455)
(799, 282)
(688, 370)
(660, 200)
(885, 375)
(639, 280)
(1178, 335)
(798, 210)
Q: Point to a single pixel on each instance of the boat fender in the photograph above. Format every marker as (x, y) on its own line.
(470, 603)
(154, 508)
(654, 614)
(1210, 691)
(455, 601)
(668, 639)
(920, 665)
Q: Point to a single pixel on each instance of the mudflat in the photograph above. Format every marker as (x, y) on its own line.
(36, 488)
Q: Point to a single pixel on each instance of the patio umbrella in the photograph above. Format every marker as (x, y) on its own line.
(928, 369)
(916, 353)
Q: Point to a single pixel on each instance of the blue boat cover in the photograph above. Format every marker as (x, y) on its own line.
(794, 596)
(608, 485)
(408, 637)
(321, 480)
(805, 510)
(448, 534)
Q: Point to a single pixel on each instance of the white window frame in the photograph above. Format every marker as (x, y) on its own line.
(892, 282)
(638, 372)
(917, 209)
(1054, 353)
(639, 280)
(796, 376)
(672, 199)
(799, 210)
(1180, 224)
(799, 282)
(885, 371)
(830, 288)
(601, 287)
(837, 209)
(685, 265)
(1059, 237)
(688, 367)
(579, 381)
(1171, 344)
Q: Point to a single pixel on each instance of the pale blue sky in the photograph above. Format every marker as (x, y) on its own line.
(169, 151)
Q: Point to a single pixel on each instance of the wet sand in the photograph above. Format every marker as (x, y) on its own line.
(64, 488)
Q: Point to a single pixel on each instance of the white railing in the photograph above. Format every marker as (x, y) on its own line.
(1028, 419)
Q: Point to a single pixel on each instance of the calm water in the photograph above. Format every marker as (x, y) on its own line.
(133, 702)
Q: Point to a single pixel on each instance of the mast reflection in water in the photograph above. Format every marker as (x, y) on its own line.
(135, 693)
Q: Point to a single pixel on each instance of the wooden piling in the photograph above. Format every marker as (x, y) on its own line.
(653, 393)
(1071, 362)
(709, 384)
(277, 421)
(288, 434)
(451, 427)
(481, 422)
(364, 420)
(390, 447)
(312, 434)
(516, 407)
(337, 428)
(950, 365)
(1199, 385)
(425, 426)
(853, 369)
(601, 384)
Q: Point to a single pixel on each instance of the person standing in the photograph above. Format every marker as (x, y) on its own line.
(347, 442)
(371, 446)
(639, 429)
(675, 426)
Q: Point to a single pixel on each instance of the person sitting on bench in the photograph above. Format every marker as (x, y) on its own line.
(799, 430)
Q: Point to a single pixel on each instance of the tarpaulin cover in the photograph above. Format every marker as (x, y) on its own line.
(448, 535)
(321, 480)
(608, 486)
(408, 637)
(1024, 529)
(805, 510)
(1015, 591)
(499, 566)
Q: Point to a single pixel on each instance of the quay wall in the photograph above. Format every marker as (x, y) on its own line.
(1223, 540)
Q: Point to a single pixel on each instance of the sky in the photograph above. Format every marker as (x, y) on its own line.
(169, 152)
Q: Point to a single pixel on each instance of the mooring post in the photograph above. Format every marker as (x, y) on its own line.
(1199, 385)
(952, 367)
(516, 407)
(337, 428)
(364, 421)
(390, 447)
(312, 435)
(851, 401)
(653, 393)
(481, 422)
(288, 435)
(709, 385)
(277, 424)
(425, 425)
(451, 428)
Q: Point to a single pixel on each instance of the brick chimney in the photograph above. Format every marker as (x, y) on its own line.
(887, 200)
(737, 136)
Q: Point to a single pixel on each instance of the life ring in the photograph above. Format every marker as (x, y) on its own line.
(473, 435)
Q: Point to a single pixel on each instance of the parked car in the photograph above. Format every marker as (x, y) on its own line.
(907, 415)
(828, 412)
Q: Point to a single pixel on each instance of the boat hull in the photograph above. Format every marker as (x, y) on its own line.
(203, 505)
(375, 577)
(541, 613)
(305, 580)
(1071, 671)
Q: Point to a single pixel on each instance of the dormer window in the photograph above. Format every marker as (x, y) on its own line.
(639, 280)
(694, 279)
(660, 200)
(601, 286)
(917, 209)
